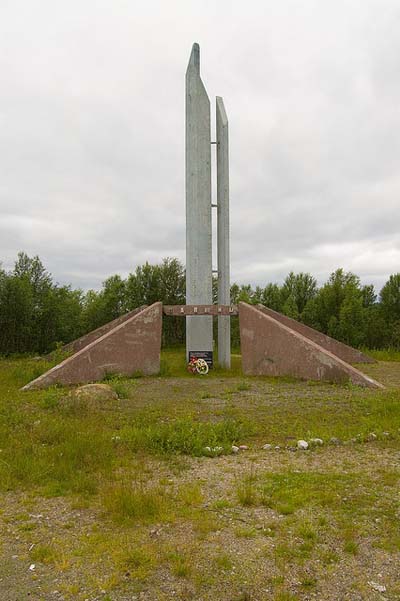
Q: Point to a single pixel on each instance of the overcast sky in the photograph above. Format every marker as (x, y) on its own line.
(92, 133)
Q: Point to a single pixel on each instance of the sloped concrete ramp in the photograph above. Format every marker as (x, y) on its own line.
(341, 350)
(271, 348)
(133, 345)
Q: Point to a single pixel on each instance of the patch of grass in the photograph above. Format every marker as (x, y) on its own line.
(135, 502)
(224, 561)
(246, 489)
(121, 388)
(58, 456)
(288, 491)
(43, 553)
(351, 547)
(243, 386)
(285, 596)
(306, 530)
(221, 504)
(384, 354)
(245, 532)
(204, 524)
(330, 557)
(136, 562)
(190, 494)
(180, 564)
(184, 436)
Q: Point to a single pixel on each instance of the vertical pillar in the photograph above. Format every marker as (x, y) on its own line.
(199, 333)
(224, 292)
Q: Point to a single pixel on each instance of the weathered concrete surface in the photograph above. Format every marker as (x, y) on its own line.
(341, 350)
(224, 287)
(79, 343)
(199, 335)
(271, 348)
(133, 345)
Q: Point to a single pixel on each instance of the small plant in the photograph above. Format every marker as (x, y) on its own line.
(121, 389)
(180, 565)
(224, 562)
(43, 554)
(246, 489)
(135, 502)
(243, 386)
(350, 546)
(245, 532)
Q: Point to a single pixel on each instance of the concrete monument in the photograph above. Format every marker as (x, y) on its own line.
(199, 330)
(271, 344)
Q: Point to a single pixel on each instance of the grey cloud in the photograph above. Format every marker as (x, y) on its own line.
(92, 133)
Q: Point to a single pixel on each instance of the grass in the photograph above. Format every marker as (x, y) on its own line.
(384, 355)
(136, 502)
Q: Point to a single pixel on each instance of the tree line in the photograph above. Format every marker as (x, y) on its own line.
(36, 313)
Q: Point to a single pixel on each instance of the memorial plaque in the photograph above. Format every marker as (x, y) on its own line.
(206, 355)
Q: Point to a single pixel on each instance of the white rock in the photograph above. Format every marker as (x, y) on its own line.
(235, 449)
(317, 441)
(267, 447)
(302, 445)
(32, 567)
(277, 448)
(243, 447)
(380, 588)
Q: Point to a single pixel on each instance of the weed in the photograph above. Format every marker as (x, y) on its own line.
(221, 504)
(121, 389)
(350, 546)
(190, 494)
(224, 562)
(246, 489)
(135, 502)
(43, 554)
(245, 532)
(180, 564)
(243, 386)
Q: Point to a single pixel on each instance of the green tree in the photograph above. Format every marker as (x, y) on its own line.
(272, 297)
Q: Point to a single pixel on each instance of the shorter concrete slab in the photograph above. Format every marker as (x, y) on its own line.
(271, 348)
(341, 350)
(131, 346)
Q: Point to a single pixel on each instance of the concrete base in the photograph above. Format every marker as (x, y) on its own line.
(133, 345)
(271, 348)
(341, 350)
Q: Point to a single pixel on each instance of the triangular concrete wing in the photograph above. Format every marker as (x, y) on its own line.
(271, 348)
(341, 350)
(131, 346)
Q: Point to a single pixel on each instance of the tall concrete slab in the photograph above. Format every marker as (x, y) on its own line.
(273, 349)
(131, 346)
(199, 335)
(341, 350)
(224, 291)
